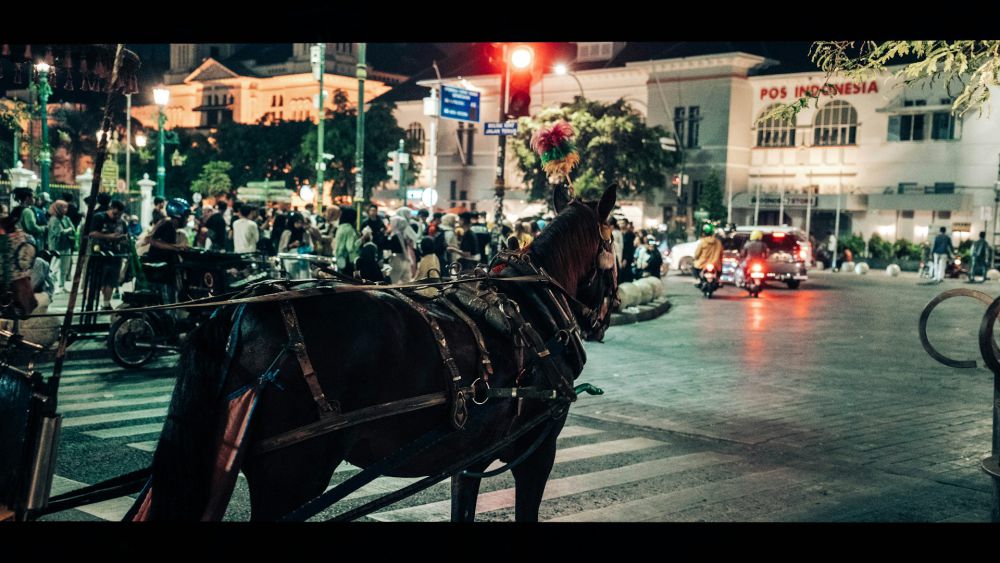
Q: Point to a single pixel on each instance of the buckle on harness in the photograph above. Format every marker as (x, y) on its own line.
(475, 393)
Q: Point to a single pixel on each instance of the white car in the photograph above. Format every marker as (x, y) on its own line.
(682, 256)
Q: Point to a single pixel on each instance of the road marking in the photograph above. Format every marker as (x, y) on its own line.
(658, 508)
(496, 500)
(89, 406)
(113, 417)
(125, 431)
(108, 394)
(149, 446)
(114, 509)
(74, 391)
(567, 432)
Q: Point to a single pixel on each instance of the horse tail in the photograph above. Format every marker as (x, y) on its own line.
(182, 465)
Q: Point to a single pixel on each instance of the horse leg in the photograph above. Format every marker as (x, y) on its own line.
(284, 480)
(531, 475)
(464, 494)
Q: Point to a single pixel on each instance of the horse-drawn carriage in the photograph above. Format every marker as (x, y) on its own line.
(269, 383)
(136, 337)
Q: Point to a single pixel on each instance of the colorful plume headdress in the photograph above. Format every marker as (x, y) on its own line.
(558, 152)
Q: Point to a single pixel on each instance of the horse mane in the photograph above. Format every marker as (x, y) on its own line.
(557, 247)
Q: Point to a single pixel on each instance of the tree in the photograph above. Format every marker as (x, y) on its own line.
(13, 114)
(77, 131)
(711, 198)
(967, 68)
(382, 135)
(265, 152)
(615, 144)
(214, 179)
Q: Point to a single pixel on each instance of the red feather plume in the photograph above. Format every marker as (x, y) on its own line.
(546, 138)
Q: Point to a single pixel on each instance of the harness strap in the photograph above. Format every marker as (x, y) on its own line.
(485, 366)
(298, 345)
(459, 408)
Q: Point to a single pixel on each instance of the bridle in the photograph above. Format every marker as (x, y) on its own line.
(595, 317)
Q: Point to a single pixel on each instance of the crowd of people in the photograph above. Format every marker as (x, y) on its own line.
(637, 251)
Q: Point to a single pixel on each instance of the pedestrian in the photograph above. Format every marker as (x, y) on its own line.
(74, 212)
(469, 243)
(347, 242)
(61, 238)
(522, 231)
(942, 252)
(401, 243)
(109, 236)
(296, 238)
(158, 210)
(377, 226)
(217, 231)
(980, 258)
(368, 266)
(246, 235)
(28, 222)
(617, 242)
(452, 244)
(654, 260)
(429, 267)
(628, 249)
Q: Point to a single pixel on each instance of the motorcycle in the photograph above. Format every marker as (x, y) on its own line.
(708, 280)
(758, 273)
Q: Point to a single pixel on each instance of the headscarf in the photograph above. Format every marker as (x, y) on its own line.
(56, 205)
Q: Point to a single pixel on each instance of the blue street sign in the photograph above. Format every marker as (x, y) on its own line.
(459, 104)
(497, 128)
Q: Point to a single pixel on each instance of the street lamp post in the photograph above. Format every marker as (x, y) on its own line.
(162, 97)
(562, 70)
(44, 91)
(318, 56)
(359, 149)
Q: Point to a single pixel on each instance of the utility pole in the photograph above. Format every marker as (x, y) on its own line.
(318, 58)
(128, 142)
(398, 172)
(359, 149)
(44, 91)
(498, 184)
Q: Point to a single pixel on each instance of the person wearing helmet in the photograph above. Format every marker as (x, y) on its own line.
(164, 245)
(754, 248)
(709, 251)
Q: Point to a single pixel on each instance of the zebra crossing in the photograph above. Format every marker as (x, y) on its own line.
(115, 409)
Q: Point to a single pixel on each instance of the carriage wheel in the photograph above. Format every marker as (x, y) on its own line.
(132, 342)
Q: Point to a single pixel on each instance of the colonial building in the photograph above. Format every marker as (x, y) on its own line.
(889, 156)
(211, 84)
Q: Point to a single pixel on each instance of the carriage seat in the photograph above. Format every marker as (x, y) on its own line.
(141, 298)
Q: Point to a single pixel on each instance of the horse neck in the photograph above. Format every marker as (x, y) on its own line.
(564, 264)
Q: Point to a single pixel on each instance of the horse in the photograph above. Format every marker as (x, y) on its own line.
(369, 348)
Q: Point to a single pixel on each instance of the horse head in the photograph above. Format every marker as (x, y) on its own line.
(576, 250)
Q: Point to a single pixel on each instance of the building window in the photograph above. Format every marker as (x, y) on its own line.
(906, 214)
(775, 133)
(594, 51)
(943, 123)
(463, 195)
(694, 117)
(679, 114)
(944, 215)
(415, 139)
(453, 191)
(908, 127)
(466, 135)
(274, 101)
(836, 124)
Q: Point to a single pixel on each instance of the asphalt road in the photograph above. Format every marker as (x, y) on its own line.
(809, 405)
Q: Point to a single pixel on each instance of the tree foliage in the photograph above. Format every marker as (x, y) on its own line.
(615, 144)
(382, 135)
(967, 68)
(711, 198)
(265, 152)
(214, 179)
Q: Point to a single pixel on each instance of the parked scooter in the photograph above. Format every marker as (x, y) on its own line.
(708, 280)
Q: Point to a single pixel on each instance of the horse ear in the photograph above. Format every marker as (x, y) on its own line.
(607, 203)
(560, 198)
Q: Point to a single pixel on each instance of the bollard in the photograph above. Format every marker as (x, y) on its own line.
(892, 270)
(861, 268)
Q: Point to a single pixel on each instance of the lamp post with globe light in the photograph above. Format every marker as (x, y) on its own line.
(162, 97)
(44, 91)
(562, 70)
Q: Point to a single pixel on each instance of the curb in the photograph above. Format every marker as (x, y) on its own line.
(646, 312)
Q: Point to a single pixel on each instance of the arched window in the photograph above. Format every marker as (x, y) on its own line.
(415, 139)
(774, 132)
(836, 124)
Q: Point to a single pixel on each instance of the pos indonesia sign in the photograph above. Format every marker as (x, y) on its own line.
(460, 104)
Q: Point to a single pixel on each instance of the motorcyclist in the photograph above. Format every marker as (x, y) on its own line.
(754, 248)
(709, 251)
(164, 245)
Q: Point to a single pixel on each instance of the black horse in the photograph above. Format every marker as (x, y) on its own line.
(369, 348)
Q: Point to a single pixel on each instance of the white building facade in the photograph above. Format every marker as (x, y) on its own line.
(900, 162)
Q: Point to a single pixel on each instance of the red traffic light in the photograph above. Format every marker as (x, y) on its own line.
(522, 56)
(676, 180)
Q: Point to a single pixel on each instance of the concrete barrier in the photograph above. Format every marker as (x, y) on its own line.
(993, 274)
(847, 267)
(861, 268)
(892, 270)
(646, 291)
(629, 294)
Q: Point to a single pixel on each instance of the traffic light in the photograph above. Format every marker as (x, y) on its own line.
(392, 166)
(521, 67)
(676, 181)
